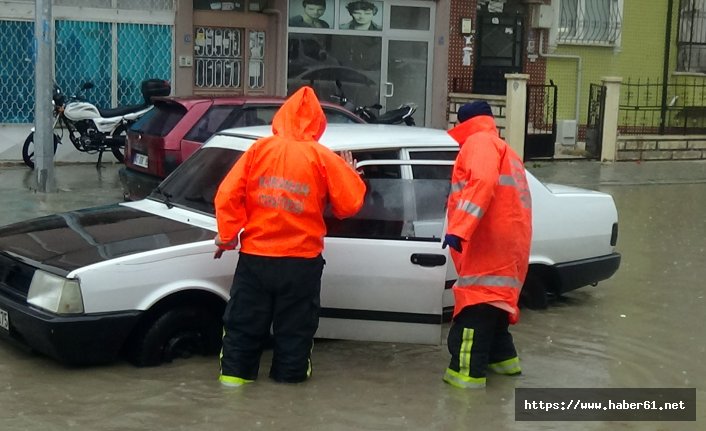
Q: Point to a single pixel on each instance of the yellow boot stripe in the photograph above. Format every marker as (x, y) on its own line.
(464, 382)
(464, 356)
(233, 380)
(509, 366)
(309, 365)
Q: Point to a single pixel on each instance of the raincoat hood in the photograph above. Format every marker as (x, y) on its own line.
(300, 118)
(481, 123)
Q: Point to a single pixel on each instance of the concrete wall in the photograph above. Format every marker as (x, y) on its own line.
(661, 147)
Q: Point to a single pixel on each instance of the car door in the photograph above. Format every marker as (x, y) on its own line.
(385, 270)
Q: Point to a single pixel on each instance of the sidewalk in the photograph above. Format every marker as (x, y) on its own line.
(591, 174)
(82, 185)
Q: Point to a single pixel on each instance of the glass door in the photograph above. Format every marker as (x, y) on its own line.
(407, 79)
(408, 57)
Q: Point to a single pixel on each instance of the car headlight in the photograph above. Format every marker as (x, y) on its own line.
(57, 294)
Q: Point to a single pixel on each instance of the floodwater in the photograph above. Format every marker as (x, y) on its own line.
(644, 328)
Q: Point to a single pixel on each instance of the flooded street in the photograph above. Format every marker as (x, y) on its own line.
(643, 328)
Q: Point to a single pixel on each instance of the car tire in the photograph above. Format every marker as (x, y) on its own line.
(176, 333)
(534, 292)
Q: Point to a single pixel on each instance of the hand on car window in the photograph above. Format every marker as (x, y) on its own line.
(348, 157)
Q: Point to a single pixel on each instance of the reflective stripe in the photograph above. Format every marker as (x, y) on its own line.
(517, 164)
(488, 280)
(464, 356)
(229, 380)
(464, 382)
(470, 208)
(233, 381)
(457, 187)
(509, 366)
(308, 360)
(507, 180)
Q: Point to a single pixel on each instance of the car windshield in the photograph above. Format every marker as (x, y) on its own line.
(194, 183)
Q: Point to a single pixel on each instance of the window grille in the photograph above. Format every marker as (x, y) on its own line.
(691, 55)
(256, 69)
(590, 22)
(218, 57)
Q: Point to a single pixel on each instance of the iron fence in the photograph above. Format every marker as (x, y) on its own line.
(652, 107)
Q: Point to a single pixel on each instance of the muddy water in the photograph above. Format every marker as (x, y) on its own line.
(642, 328)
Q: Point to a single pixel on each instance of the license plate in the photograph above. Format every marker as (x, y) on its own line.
(140, 160)
(4, 320)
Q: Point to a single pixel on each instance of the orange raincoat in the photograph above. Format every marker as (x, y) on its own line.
(278, 190)
(490, 209)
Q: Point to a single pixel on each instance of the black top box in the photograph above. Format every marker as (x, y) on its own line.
(155, 87)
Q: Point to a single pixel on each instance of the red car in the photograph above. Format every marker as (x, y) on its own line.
(177, 126)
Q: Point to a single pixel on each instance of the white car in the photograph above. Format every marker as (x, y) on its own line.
(139, 278)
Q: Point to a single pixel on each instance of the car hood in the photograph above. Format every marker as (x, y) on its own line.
(64, 242)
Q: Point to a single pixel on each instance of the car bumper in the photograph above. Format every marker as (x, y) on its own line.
(73, 340)
(573, 275)
(137, 185)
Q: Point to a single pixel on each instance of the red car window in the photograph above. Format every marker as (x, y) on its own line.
(160, 120)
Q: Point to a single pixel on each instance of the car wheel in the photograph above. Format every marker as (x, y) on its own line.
(177, 333)
(534, 292)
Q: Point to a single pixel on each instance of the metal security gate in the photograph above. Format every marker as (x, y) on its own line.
(540, 132)
(594, 125)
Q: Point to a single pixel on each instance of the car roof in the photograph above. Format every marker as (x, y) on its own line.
(189, 101)
(350, 136)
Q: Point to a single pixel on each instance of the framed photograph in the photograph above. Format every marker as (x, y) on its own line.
(311, 13)
(363, 15)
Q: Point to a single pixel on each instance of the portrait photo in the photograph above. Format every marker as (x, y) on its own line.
(361, 15)
(311, 13)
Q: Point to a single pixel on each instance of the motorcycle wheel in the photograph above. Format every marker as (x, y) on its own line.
(119, 150)
(28, 149)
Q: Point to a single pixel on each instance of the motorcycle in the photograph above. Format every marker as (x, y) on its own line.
(91, 129)
(402, 114)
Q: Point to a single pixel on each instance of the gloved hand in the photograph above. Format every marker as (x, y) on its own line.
(452, 241)
(223, 246)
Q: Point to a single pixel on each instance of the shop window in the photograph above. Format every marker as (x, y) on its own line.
(410, 18)
(335, 64)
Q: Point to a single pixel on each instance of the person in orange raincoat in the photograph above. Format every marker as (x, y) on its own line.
(489, 232)
(276, 194)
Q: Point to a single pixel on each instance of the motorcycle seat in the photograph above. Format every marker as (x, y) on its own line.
(120, 110)
(394, 116)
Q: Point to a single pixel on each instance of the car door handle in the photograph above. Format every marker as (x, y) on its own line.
(426, 259)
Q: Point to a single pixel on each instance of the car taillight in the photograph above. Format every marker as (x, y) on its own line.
(614, 235)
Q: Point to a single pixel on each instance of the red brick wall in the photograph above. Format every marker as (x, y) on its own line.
(461, 77)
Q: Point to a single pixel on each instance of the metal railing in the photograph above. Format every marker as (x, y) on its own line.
(644, 110)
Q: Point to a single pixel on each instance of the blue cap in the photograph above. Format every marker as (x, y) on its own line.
(470, 110)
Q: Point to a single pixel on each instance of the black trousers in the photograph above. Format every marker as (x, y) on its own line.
(282, 293)
(489, 339)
